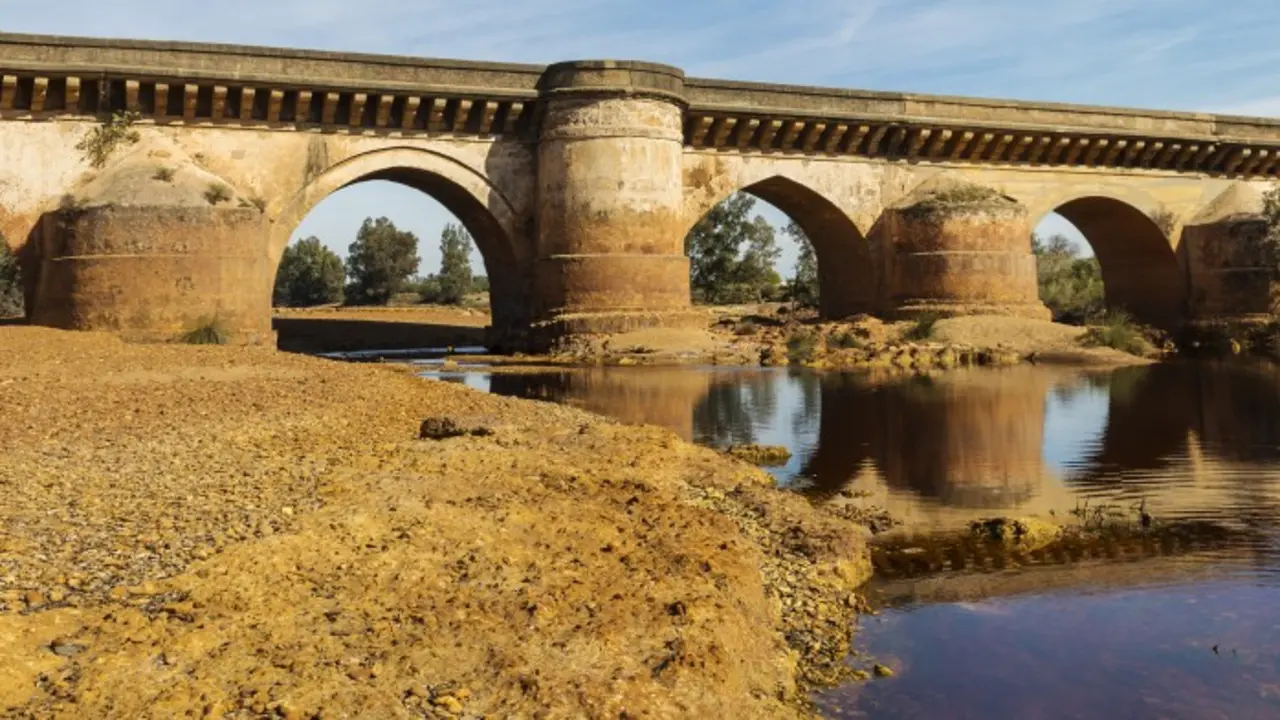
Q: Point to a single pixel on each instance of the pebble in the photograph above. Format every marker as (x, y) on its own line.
(449, 703)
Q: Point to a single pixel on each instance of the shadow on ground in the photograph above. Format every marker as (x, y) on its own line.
(313, 335)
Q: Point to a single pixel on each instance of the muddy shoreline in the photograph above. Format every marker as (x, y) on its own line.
(734, 336)
(269, 535)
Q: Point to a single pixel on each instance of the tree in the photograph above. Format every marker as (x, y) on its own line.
(309, 274)
(754, 278)
(804, 286)
(1070, 286)
(12, 301)
(380, 262)
(731, 255)
(455, 264)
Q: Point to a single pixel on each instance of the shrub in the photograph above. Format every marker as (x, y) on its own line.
(1070, 286)
(427, 289)
(115, 130)
(216, 193)
(922, 329)
(802, 346)
(1118, 330)
(164, 174)
(12, 301)
(845, 340)
(208, 331)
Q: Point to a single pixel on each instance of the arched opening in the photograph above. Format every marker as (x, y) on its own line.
(837, 254)
(440, 193)
(1137, 270)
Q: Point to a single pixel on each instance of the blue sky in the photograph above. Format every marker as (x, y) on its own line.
(1167, 54)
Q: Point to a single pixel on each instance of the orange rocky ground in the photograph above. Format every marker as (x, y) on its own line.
(235, 532)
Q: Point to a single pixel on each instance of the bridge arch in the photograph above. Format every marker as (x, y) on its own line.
(846, 272)
(1133, 239)
(483, 210)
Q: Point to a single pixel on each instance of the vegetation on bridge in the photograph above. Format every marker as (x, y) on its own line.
(115, 129)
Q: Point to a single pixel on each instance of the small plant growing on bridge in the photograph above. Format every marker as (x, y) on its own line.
(216, 193)
(164, 174)
(1166, 221)
(954, 197)
(115, 130)
(207, 331)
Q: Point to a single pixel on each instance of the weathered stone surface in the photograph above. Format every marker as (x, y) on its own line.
(1229, 280)
(580, 180)
(958, 249)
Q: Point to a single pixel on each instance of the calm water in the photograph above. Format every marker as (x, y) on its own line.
(1126, 631)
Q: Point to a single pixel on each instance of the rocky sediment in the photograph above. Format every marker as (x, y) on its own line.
(234, 532)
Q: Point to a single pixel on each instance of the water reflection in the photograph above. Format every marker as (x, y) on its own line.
(945, 449)
(1124, 627)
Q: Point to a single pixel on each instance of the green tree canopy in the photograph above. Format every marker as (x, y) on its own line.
(732, 255)
(455, 264)
(803, 288)
(310, 274)
(380, 262)
(1070, 286)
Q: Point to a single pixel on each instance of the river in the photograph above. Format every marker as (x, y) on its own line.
(1182, 623)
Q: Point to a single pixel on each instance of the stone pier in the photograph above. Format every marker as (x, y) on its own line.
(580, 180)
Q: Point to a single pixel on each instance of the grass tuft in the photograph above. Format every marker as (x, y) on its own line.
(802, 346)
(922, 329)
(1118, 330)
(845, 340)
(209, 331)
(216, 193)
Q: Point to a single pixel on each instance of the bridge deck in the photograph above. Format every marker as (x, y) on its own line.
(194, 83)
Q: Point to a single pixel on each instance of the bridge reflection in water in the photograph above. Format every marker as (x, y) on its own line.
(1195, 440)
(1112, 625)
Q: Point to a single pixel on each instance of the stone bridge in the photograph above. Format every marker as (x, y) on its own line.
(580, 180)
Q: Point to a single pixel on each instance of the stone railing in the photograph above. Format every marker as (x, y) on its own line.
(198, 84)
(190, 84)
(749, 117)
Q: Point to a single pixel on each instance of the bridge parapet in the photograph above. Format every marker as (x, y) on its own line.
(198, 84)
(752, 117)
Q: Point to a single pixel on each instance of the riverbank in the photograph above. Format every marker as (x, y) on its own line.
(268, 533)
(749, 335)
